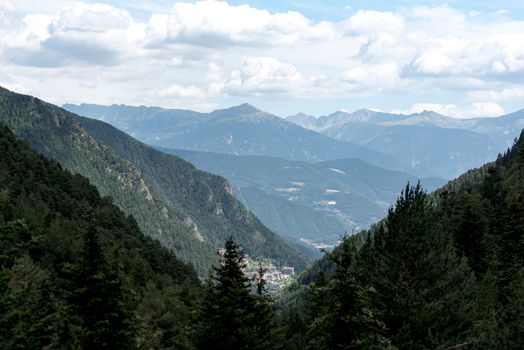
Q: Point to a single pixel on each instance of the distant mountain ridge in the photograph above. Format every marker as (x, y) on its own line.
(429, 141)
(425, 117)
(445, 146)
(239, 130)
(189, 211)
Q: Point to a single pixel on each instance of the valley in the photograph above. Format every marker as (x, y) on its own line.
(312, 197)
(189, 211)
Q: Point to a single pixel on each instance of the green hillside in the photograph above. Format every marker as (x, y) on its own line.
(75, 271)
(189, 211)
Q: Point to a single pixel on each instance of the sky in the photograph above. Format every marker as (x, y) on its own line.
(462, 58)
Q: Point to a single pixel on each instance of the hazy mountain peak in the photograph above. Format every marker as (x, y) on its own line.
(364, 110)
(428, 113)
(337, 113)
(244, 108)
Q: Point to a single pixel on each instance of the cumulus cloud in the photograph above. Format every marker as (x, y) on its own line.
(216, 23)
(508, 94)
(496, 55)
(478, 109)
(452, 43)
(87, 33)
(265, 75)
(6, 7)
(383, 76)
(371, 22)
(182, 92)
(215, 50)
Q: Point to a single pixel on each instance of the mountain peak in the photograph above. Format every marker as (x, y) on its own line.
(427, 113)
(244, 108)
(365, 110)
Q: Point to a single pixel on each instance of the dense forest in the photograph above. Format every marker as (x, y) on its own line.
(441, 271)
(75, 271)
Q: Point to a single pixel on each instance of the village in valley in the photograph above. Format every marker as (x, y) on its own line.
(275, 278)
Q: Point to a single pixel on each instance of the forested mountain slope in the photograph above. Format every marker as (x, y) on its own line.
(189, 211)
(440, 272)
(75, 272)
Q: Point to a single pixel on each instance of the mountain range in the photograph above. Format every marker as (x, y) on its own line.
(429, 143)
(189, 211)
(239, 130)
(424, 144)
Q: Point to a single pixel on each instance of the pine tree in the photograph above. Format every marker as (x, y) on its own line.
(231, 317)
(343, 318)
(101, 300)
(425, 293)
(33, 315)
(469, 224)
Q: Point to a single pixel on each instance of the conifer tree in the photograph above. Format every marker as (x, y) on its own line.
(469, 225)
(231, 317)
(343, 317)
(101, 300)
(33, 316)
(425, 293)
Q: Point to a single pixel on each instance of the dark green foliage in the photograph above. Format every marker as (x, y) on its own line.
(34, 316)
(342, 313)
(100, 299)
(231, 316)
(468, 220)
(425, 293)
(75, 272)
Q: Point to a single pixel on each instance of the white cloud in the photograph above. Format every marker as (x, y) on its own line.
(495, 55)
(7, 6)
(372, 22)
(443, 20)
(478, 109)
(157, 27)
(357, 75)
(508, 94)
(91, 18)
(216, 50)
(265, 75)
(382, 76)
(182, 92)
(216, 23)
(82, 33)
